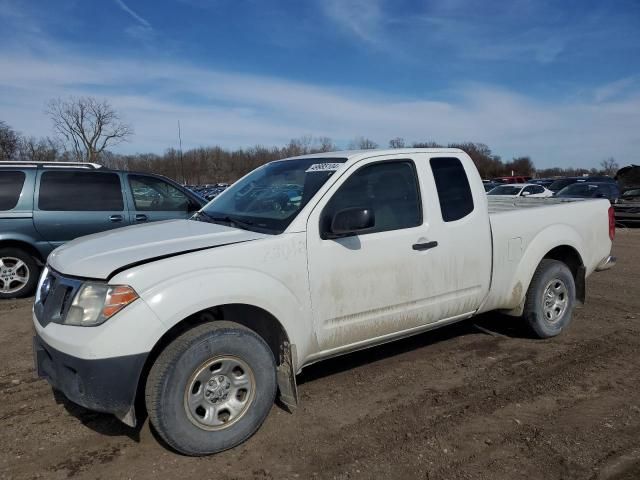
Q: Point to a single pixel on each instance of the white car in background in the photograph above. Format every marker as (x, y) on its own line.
(521, 190)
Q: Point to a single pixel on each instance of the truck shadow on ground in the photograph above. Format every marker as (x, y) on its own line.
(490, 324)
(103, 423)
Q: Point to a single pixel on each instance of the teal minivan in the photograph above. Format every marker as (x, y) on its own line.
(43, 205)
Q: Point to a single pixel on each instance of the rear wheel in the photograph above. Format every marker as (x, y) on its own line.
(211, 388)
(18, 273)
(550, 299)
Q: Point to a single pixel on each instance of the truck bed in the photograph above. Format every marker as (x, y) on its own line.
(499, 205)
(522, 230)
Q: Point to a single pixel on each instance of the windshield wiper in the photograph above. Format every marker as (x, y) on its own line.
(201, 216)
(225, 219)
(233, 220)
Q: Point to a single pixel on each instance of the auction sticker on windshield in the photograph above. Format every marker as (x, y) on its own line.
(323, 167)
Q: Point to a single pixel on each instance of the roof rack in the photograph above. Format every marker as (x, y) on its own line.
(91, 166)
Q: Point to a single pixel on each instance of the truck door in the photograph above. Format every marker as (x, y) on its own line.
(73, 203)
(392, 278)
(461, 219)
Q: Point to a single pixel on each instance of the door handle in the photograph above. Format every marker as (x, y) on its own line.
(116, 218)
(424, 246)
(141, 218)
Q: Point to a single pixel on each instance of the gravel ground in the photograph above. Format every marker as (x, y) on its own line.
(456, 403)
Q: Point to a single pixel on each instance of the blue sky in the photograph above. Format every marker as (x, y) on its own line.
(559, 81)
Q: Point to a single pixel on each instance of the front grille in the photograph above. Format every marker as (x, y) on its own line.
(56, 295)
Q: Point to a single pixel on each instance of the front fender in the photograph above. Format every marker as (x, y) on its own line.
(180, 296)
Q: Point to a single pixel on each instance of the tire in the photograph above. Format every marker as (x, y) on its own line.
(225, 354)
(10, 284)
(550, 299)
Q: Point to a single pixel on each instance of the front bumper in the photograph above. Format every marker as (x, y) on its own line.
(606, 263)
(105, 385)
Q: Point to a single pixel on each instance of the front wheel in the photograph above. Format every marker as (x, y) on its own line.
(550, 299)
(211, 388)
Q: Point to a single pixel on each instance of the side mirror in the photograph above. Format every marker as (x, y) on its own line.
(525, 194)
(350, 221)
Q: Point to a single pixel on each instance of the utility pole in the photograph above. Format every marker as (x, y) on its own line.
(184, 180)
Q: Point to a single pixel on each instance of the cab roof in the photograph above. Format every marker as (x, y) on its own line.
(354, 155)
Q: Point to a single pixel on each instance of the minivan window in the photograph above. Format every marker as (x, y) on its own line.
(154, 194)
(389, 188)
(80, 191)
(454, 191)
(11, 184)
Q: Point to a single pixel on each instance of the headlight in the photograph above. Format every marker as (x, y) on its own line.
(43, 276)
(96, 302)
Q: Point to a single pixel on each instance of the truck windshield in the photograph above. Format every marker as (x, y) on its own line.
(269, 198)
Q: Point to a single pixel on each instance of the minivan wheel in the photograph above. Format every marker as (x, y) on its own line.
(211, 388)
(550, 299)
(18, 273)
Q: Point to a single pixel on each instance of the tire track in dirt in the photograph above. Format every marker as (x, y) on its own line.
(447, 410)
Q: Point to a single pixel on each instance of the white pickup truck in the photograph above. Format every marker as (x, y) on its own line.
(201, 322)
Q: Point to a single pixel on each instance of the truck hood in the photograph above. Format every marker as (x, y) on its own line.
(102, 254)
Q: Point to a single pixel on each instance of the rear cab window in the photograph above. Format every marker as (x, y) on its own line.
(69, 191)
(452, 184)
(11, 184)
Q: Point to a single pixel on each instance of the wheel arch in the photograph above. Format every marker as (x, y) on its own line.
(557, 241)
(565, 253)
(23, 245)
(255, 318)
(572, 259)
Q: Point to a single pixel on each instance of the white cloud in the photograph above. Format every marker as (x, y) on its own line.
(142, 30)
(616, 88)
(232, 110)
(133, 14)
(361, 18)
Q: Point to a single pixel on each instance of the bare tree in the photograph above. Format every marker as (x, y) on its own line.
(88, 125)
(609, 166)
(397, 142)
(31, 149)
(520, 166)
(325, 144)
(426, 145)
(8, 141)
(362, 143)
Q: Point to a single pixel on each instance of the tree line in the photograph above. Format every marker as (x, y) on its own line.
(86, 129)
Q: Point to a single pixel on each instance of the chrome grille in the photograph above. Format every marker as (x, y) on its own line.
(56, 295)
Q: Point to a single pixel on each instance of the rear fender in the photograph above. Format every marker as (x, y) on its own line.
(513, 297)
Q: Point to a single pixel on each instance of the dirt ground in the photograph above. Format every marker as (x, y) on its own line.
(457, 403)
